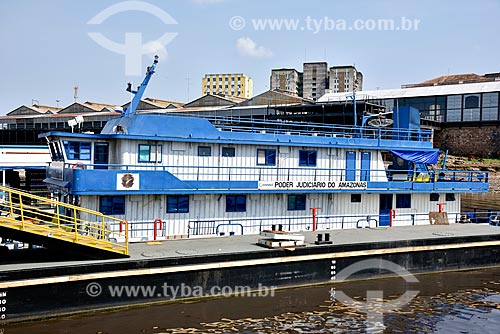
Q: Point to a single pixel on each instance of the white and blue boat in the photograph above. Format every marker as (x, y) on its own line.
(174, 176)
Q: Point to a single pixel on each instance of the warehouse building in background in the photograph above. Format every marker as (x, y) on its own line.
(463, 109)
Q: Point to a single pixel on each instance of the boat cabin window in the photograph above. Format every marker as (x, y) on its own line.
(296, 202)
(307, 158)
(204, 151)
(112, 205)
(355, 198)
(77, 150)
(434, 197)
(228, 152)
(149, 153)
(403, 201)
(236, 203)
(177, 204)
(266, 157)
(450, 197)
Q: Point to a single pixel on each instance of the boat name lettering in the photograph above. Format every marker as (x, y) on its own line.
(326, 185)
(312, 184)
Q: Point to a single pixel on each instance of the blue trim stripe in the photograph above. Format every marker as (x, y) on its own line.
(161, 182)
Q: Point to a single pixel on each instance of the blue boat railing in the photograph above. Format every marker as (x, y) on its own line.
(481, 215)
(317, 129)
(304, 223)
(264, 173)
(253, 225)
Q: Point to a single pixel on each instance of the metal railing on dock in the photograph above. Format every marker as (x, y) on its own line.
(323, 222)
(144, 230)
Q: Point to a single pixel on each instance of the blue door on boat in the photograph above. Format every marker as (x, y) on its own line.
(350, 166)
(365, 166)
(101, 155)
(385, 210)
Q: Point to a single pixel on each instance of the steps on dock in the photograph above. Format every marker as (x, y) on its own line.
(59, 225)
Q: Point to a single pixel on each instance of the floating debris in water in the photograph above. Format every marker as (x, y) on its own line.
(420, 316)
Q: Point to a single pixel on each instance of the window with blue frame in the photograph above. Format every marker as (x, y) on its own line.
(112, 205)
(177, 204)
(296, 202)
(228, 152)
(236, 203)
(307, 158)
(266, 157)
(149, 153)
(204, 151)
(403, 201)
(77, 150)
(101, 155)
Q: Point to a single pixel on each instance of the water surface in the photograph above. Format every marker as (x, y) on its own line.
(447, 302)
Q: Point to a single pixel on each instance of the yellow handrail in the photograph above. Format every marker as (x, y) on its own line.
(82, 226)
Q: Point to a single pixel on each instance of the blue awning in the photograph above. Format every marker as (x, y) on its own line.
(425, 157)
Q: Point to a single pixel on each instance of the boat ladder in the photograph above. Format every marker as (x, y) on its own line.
(47, 222)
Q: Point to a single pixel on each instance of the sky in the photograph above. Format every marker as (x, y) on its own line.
(49, 47)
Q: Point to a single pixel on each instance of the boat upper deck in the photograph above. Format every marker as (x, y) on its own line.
(240, 131)
(324, 130)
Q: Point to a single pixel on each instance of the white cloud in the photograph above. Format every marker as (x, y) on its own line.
(155, 48)
(248, 47)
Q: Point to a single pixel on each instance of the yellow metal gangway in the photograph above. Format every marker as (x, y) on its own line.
(53, 224)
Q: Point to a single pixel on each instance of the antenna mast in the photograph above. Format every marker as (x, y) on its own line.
(140, 90)
(75, 95)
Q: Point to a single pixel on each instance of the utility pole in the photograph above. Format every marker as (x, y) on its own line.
(354, 88)
(75, 95)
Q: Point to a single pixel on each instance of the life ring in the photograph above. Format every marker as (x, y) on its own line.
(78, 165)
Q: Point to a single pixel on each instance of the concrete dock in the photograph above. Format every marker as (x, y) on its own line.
(29, 286)
(194, 247)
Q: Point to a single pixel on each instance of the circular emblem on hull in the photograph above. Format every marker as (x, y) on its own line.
(127, 180)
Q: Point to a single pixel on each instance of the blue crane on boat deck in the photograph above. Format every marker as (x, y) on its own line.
(140, 90)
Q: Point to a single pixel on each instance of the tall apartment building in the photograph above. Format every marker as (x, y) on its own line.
(233, 84)
(315, 80)
(287, 80)
(345, 79)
